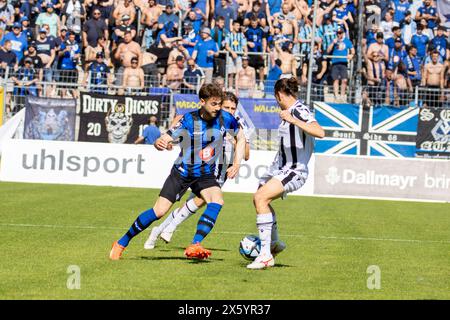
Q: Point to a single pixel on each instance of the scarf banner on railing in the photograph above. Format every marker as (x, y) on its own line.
(352, 129)
(433, 133)
(115, 119)
(49, 119)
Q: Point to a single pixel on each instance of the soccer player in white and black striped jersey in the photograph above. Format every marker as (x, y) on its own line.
(289, 170)
(166, 229)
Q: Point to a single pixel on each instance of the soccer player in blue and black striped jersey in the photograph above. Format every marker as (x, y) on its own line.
(201, 135)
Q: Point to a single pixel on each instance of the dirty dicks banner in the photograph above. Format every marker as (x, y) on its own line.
(115, 119)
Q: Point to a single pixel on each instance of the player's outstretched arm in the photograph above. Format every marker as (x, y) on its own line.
(312, 128)
(238, 155)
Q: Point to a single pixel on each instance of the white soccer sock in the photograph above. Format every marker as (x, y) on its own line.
(274, 228)
(189, 209)
(264, 224)
(166, 222)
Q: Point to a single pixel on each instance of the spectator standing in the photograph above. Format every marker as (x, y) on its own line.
(397, 54)
(204, 53)
(69, 58)
(258, 12)
(379, 47)
(396, 34)
(193, 78)
(175, 73)
(434, 81)
(168, 16)
(6, 16)
(126, 8)
(190, 38)
(219, 33)
(94, 28)
(376, 78)
(273, 75)
(46, 50)
(327, 31)
(343, 51)
(133, 77)
(18, 40)
(226, 11)
(49, 17)
(400, 7)
(149, 20)
(236, 45)
(257, 43)
(413, 66)
(245, 80)
(420, 41)
(428, 12)
(440, 43)
(150, 133)
(409, 28)
(25, 79)
(98, 76)
(8, 58)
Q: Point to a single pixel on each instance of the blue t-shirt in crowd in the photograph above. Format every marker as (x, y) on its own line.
(431, 11)
(400, 9)
(341, 48)
(150, 134)
(420, 42)
(191, 37)
(18, 43)
(413, 64)
(255, 35)
(203, 59)
(441, 45)
(68, 62)
(228, 13)
(390, 42)
(273, 75)
(274, 6)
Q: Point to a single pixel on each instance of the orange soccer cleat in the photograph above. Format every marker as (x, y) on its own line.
(116, 251)
(196, 251)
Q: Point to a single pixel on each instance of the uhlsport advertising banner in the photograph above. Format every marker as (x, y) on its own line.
(115, 119)
(433, 133)
(122, 165)
(49, 119)
(351, 129)
(370, 177)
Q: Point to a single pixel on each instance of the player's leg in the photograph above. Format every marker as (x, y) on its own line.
(189, 208)
(142, 222)
(276, 245)
(174, 188)
(210, 191)
(270, 191)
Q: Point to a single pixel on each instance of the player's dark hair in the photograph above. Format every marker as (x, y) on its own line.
(287, 86)
(230, 96)
(210, 90)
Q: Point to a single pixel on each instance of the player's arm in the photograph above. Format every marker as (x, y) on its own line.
(311, 127)
(239, 154)
(175, 131)
(164, 142)
(139, 140)
(247, 151)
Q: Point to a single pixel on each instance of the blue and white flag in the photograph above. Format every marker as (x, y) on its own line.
(443, 8)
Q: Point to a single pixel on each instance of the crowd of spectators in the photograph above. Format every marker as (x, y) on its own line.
(133, 45)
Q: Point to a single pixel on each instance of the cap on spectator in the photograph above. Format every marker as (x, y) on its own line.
(17, 25)
(32, 44)
(42, 30)
(187, 25)
(206, 30)
(326, 16)
(28, 59)
(340, 30)
(380, 35)
(398, 40)
(49, 5)
(64, 28)
(100, 55)
(244, 57)
(24, 18)
(169, 6)
(125, 17)
(341, 2)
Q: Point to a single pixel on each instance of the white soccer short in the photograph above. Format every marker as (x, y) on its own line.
(292, 180)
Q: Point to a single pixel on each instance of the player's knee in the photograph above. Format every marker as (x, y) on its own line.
(259, 199)
(218, 201)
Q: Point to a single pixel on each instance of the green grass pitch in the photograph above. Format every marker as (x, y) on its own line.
(331, 242)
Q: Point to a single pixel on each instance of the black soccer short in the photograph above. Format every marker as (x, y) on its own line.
(176, 185)
(339, 72)
(256, 62)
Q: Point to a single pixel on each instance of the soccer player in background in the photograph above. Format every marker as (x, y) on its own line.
(166, 229)
(289, 170)
(202, 133)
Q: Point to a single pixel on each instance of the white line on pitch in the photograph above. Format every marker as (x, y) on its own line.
(230, 232)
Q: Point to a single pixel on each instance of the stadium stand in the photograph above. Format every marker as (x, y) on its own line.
(376, 52)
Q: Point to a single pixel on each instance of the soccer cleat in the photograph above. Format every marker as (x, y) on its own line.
(276, 247)
(166, 236)
(262, 262)
(151, 241)
(196, 251)
(116, 251)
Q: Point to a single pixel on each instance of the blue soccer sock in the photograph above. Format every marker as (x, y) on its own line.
(207, 221)
(142, 222)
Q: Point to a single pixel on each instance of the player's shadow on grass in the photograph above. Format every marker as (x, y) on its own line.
(183, 248)
(177, 258)
(276, 266)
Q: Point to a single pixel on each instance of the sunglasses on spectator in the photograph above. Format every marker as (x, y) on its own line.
(134, 62)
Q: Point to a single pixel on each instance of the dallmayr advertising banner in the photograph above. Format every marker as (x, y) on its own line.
(433, 133)
(115, 119)
(49, 119)
(369, 177)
